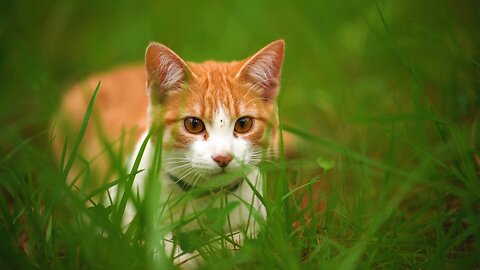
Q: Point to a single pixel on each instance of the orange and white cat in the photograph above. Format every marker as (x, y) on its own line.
(217, 121)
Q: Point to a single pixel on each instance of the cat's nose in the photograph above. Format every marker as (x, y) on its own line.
(222, 160)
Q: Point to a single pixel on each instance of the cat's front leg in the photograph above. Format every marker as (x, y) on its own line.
(250, 228)
(254, 215)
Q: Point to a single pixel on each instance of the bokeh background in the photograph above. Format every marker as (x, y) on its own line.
(392, 84)
(343, 60)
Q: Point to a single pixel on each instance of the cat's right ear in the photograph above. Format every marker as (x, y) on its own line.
(166, 71)
(264, 68)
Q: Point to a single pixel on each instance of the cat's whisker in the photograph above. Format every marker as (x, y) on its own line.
(262, 152)
(197, 176)
(187, 173)
(261, 156)
(180, 163)
(177, 170)
(177, 162)
(265, 153)
(179, 179)
(180, 167)
(180, 173)
(186, 159)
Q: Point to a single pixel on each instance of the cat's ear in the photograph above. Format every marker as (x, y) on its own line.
(166, 71)
(264, 68)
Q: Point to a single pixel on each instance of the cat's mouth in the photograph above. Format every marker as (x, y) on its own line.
(210, 173)
(208, 188)
(217, 173)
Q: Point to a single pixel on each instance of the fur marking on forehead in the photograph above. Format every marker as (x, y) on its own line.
(221, 118)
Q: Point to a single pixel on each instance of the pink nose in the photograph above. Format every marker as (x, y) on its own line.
(222, 161)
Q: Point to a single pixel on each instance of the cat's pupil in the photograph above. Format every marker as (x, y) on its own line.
(194, 123)
(243, 122)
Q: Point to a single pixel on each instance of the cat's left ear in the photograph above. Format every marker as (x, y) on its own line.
(166, 71)
(264, 69)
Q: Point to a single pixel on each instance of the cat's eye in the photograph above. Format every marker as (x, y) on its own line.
(244, 124)
(193, 125)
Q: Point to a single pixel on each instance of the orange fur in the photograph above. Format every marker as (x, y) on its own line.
(196, 89)
(214, 86)
(119, 109)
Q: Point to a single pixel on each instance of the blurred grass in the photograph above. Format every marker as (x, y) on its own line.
(386, 91)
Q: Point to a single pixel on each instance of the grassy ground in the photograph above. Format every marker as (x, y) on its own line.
(384, 96)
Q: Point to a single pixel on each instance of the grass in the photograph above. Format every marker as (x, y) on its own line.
(383, 97)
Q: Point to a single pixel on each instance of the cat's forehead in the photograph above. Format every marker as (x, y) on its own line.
(221, 101)
(216, 91)
(215, 68)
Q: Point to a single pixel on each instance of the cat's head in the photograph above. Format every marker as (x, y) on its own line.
(216, 116)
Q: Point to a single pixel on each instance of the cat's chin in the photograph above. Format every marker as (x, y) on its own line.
(216, 174)
(223, 174)
(220, 172)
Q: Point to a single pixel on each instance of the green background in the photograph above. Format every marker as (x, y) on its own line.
(383, 95)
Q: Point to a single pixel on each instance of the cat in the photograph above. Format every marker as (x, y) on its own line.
(215, 121)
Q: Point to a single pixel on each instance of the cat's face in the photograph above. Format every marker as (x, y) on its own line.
(217, 117)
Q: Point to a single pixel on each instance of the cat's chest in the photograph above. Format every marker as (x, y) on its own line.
(225, 209)
(230, 207)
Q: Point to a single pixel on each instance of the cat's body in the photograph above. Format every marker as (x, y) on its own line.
(216, 120)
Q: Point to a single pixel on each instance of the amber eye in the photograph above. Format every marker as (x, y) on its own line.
(193, 125)
(244, 124)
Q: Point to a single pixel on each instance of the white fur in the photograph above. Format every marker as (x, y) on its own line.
(199, 164)
(262, 69)
(173, 71)
(220, 142)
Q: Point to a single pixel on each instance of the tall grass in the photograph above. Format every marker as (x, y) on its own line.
(382, 96)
